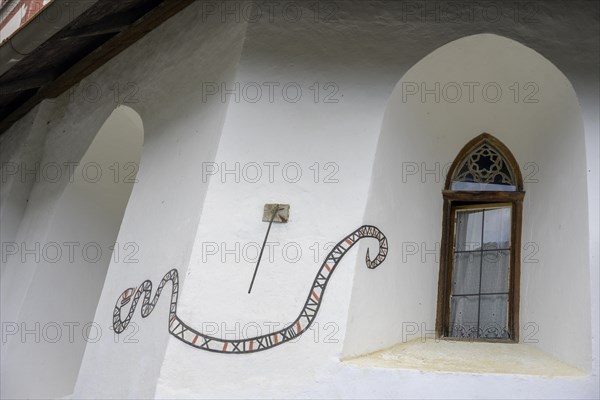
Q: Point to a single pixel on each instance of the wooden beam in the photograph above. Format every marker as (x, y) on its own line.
(483, 196)
(92, 30)
(27, 83)
(112, 24)
(98, 57)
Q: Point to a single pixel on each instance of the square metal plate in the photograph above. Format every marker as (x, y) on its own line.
(282, 216)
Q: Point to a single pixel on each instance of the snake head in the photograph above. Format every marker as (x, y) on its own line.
(369, 262)
(127, 295)
(381, 254)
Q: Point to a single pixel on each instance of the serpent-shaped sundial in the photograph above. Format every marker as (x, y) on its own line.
(303, 321)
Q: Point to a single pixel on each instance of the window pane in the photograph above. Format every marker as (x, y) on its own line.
(471, 186)
(493, 318)
(463, 316)
(480, 274)
(465, 275)
(468, 230)
(496, 232)
(495, 270)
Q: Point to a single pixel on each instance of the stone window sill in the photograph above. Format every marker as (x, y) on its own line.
(467, 357)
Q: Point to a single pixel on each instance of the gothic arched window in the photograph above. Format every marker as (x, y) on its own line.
(478, 291)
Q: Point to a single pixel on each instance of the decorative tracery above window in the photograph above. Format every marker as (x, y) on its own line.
(484, 166)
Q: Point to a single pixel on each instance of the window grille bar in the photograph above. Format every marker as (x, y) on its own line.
(480, 250)
(480, 272)
(479, 294)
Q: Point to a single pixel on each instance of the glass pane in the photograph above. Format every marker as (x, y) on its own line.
(495, 268)
(493, 317)
(496, 231)
(477, 186)
(463, 317)
(481, 272)
(468, 230)
(465, 274)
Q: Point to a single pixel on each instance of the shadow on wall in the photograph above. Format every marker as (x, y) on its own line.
(74, 260)
(480, 83)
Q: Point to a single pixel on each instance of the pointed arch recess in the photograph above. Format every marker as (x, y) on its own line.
(416, 135)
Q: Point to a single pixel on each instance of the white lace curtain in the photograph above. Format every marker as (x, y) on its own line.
(480, 276)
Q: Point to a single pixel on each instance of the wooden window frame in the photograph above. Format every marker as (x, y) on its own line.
(452, 200)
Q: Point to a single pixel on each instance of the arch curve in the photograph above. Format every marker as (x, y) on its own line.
(506, 160)
(81, 239)
(422, 132)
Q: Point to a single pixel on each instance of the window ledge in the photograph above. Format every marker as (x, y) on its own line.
(467, 357)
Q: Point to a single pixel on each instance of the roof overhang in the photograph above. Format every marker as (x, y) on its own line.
(65, 42)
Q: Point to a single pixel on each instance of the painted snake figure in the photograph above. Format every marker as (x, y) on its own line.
(190, 336)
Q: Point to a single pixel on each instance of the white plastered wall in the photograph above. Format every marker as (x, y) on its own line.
(22, 146)
(154, 77)
(365, 49)
(325, 208)
(214, 295)
(420, 133)
(74, 257)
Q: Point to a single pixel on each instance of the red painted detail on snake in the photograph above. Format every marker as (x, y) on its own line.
(309, 311)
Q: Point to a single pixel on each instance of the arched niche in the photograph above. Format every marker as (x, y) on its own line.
(480, 83)
(74, 260)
